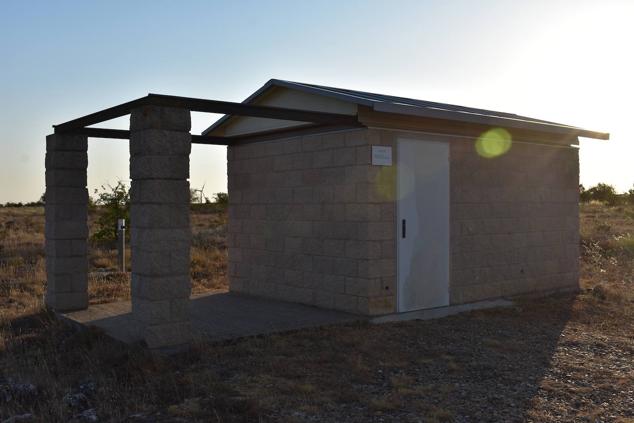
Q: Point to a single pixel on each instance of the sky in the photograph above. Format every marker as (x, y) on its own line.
(564, 61)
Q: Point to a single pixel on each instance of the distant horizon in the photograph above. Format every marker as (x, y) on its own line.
(562, 61)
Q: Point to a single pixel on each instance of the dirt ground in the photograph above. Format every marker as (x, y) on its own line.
(564, 358)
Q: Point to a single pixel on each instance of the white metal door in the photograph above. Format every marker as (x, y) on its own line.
(422, 224)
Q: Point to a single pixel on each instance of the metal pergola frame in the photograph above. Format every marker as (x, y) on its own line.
(312, 120)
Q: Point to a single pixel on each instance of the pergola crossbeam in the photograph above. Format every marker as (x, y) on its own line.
(198, 105)
(124, 134)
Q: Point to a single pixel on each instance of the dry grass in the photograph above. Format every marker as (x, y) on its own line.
(556, 359)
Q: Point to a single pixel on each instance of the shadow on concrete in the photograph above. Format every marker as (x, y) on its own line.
(217, 316)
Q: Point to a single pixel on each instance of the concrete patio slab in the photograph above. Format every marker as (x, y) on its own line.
(217, 317)
(440, 312)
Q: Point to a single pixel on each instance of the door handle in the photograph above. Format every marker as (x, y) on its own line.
(403, 228)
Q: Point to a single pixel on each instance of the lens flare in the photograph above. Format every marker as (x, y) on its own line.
(386, 182)
(493, 143)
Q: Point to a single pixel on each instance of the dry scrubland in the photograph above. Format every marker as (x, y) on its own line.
(556, 359)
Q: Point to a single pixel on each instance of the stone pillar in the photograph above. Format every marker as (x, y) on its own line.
(160, 144)
(66, 229)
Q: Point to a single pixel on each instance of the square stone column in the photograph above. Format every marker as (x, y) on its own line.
(160, 144)
(66, 231)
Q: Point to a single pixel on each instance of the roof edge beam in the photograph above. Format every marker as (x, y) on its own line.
(492, 121)
(209, 106)
(124, 134)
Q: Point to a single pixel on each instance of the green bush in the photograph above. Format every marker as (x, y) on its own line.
(114, 204)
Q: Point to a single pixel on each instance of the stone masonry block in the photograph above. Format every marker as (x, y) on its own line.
(66, 142)
(381, 305)
(66, 264)
(333, 140)
(323, 265)
(160, 191)
(357, 174)
(363, 212)
(311, 142)
(58, 212)
(363, 249)
(356, 138)
(388, 249)
(345, 157)
(377, 231)
(299, 228)
(345, 266)
(66, 160)
(179, 309)
(152, 236)
(79, 282)
(322, 158)
(61, 282)
(160, 263)
(159, 167)
(66, 247)
(372, 193)
(363, 287)
(161, 216)
(333, 212)
(161, 118)
(377, 268)
(334, 247)
(66, 230)
(67, 301)
(161, 245)
(161, 288)
(345, 193)
(66, 195)
(363, 155)
(67, 282)
(66, 178)
(158, 142)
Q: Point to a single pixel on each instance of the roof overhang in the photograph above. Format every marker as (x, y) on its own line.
(425, 109)
(480, 119)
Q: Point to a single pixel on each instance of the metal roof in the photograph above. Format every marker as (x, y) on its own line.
(430, 109)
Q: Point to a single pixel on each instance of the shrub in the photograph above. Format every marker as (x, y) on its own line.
(221, 198)
(601, 192)
(630, 196)
(114, 204)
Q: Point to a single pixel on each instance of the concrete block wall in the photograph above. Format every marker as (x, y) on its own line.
(514, 221)
(66, 228)
(311, 221)
(160, 144)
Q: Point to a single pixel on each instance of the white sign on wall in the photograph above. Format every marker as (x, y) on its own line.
(381, 155)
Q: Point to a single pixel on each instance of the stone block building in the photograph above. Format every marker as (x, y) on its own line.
(490, 211)
(341, 199)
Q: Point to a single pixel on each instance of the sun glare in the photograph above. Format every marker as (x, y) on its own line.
(493, 143)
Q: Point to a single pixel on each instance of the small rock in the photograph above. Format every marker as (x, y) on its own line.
(88, 388)
(77, 400)
(89, 415)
